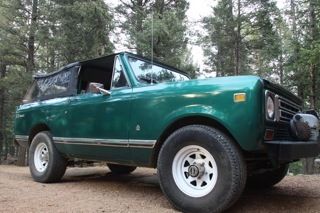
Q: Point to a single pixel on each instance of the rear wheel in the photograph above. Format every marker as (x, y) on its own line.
(121, 169)
(268, 178)
(45, 162)
(201, 170)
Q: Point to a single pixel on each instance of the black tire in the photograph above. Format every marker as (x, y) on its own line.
(231, 169)
(56, 164)
(121, 169)
(267, 179)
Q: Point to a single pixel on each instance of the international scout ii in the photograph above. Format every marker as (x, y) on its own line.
(207, 138)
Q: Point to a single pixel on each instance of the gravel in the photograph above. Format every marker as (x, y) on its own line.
(95, 189)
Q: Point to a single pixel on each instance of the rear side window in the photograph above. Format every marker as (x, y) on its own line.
(53, 85)
(60, 84)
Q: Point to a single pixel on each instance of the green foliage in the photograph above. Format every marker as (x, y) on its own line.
(254, 36)
(303, 66)
(242, 34)
(46, 35)
(241, 37)
(219, 43)
(296, 168)
(163, 37)
(13, 30)
(13, 87)
(158, 29)
(84, 29)
(49, 34)
(74, 30)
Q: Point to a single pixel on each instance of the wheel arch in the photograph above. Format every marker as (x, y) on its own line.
(36, 129)
(185, 121)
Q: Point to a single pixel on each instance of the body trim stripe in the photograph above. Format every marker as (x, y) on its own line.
(21, 137)
(106, 142)
(135, 143)
(91, 144)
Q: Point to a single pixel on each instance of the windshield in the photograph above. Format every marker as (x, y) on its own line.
(151, 73)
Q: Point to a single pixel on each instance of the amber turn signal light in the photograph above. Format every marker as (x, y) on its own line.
(268, 135)
(239, 97)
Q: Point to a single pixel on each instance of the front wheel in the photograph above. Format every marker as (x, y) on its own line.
(201, 170)
(45, 162)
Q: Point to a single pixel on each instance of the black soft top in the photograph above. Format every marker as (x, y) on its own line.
(105, 61)
(63, 82)
(67, 67)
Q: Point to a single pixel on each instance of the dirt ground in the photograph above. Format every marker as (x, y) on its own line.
(95, 189)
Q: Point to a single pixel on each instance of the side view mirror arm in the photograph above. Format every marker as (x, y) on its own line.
(104, 91)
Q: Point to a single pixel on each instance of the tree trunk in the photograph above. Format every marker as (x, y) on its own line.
(238, 40)
(219, 67)
(313, 68)
(30, 64)
(295, 55)
(281, 71)
(313, 95)
(3, 70)
(22, 158)
(281, 59)
(138, 26)
(308, 164)
(31, 36)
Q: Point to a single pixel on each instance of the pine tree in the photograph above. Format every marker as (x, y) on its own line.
(14, 48)
(219, 43)
(307, 65)
(157, 29)
(264, 41)
(241, 37)
(84, 29)
(44, 35)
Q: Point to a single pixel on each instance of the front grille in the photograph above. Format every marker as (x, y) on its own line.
(286, 109)
(281, 133)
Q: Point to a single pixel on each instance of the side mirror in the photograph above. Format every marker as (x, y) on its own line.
(97, 88)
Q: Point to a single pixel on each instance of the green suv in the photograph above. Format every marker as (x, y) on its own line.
(207, 138)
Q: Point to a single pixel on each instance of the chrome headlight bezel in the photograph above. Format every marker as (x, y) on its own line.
(270, 106)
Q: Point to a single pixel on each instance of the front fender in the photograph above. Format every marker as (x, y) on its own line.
(192, 111)
(242, 120)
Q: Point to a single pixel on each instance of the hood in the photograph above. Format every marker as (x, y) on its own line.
(281, 91)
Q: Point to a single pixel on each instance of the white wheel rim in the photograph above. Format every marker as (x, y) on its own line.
(194, 171)
(41, 157)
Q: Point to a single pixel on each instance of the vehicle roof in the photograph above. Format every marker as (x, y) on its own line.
(36, 76)
(103, 58)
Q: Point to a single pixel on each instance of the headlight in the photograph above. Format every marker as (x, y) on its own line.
(270, 108)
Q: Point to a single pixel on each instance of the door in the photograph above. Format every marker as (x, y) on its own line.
(98, 124)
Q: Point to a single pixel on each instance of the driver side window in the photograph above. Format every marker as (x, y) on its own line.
(119, 78)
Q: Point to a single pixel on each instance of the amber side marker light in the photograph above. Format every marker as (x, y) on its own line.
(239, 97)
(268, 135)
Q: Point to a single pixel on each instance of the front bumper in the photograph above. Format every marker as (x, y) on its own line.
(287, 151)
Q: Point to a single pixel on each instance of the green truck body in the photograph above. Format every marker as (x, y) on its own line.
(129, 124)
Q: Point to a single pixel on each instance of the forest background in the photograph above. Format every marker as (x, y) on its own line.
(237, 37)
